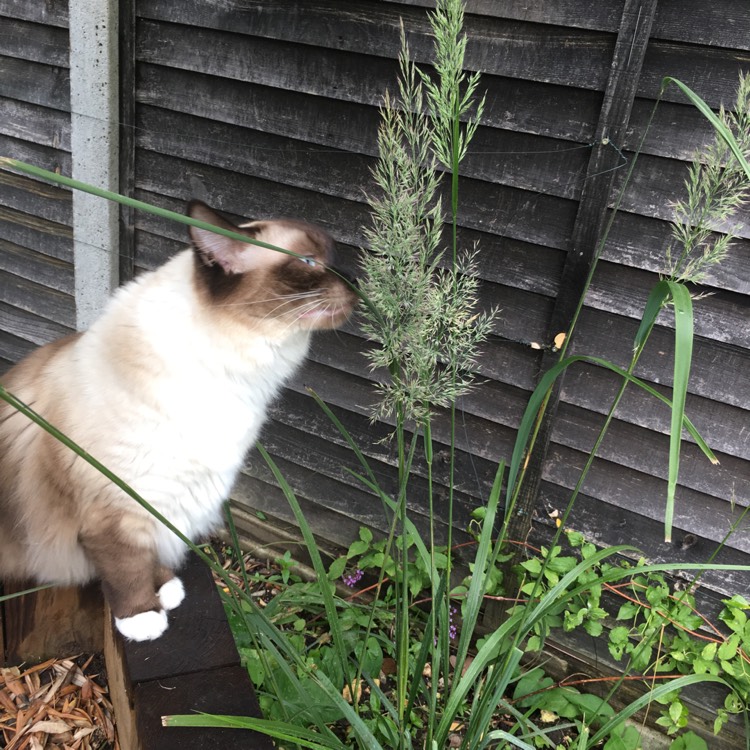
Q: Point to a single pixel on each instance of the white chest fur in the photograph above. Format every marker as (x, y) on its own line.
(186, 396)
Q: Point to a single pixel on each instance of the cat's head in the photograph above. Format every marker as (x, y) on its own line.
(303, 291)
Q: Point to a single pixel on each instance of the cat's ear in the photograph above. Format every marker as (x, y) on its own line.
(215, 249)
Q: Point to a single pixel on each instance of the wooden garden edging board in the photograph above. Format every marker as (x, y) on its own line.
(193, 667)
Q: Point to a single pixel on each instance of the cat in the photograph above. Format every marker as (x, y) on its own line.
(168, 389)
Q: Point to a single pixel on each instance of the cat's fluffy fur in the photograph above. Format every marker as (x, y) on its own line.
(168, 389)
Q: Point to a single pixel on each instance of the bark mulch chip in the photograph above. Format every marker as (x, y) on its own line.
(61, 704)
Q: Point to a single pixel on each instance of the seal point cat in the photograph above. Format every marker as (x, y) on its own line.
(169, 388)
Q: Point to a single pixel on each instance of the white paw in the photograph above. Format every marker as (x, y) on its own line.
(171, 593)
(144, 626)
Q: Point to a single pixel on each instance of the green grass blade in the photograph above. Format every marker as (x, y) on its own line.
(724, 132)
(656, 301)
(277, 729)
(317, 562)
(8, 597)
(683, 352)
(487, 654)
(337, 639)
(499, 734)
(545, 383)
(475, 594)
(124, 200)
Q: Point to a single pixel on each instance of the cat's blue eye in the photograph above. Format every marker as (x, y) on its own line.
(309, 260)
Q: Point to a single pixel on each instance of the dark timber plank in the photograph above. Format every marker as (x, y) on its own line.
(633, 35)
(37, 299)
(198, 637)
(37, 267)
(32, 122)
(52, 12)
(35, 233)
(126, 183)
(518, 214)
(35, 82)
(640, 242)
(709, 71)
(509, 48)
(29, 327)
(41, 43)
(538, 108)
(193, 667)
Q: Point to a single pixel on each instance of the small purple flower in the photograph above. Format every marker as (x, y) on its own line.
(350, 579)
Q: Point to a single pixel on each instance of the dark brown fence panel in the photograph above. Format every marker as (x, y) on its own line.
(36, 272)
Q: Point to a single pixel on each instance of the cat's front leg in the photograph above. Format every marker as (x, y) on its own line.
(138, 589)
(146, 626)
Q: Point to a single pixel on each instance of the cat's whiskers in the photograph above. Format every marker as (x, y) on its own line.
(283, 298)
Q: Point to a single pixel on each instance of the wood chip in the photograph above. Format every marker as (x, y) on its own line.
(55, 704)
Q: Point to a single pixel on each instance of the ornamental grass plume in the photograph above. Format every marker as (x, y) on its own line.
(717, 186)
(423, 315)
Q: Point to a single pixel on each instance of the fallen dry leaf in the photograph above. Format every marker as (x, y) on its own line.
(55, 704)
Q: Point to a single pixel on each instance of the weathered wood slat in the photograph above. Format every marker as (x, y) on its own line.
(474, 472)
(710, 72)
(658, 182)
(640, 242)
(538, 108)
(502, 157)
(39, 234)
(719, 317)
(30, 328)
(674, 130)
(614, 525)
(42, 269)
(126, 146)
(588, 386)
(719, 423)
(52, 12)
(608, 335)
(32, 196)
(34, 82)
(586, 15)
(710, 518)
(724, 23)
(38, 42)
(501, 47)
(31, 122)
(518, 214)
(528, 52)
(37, 299)
(646, 451)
